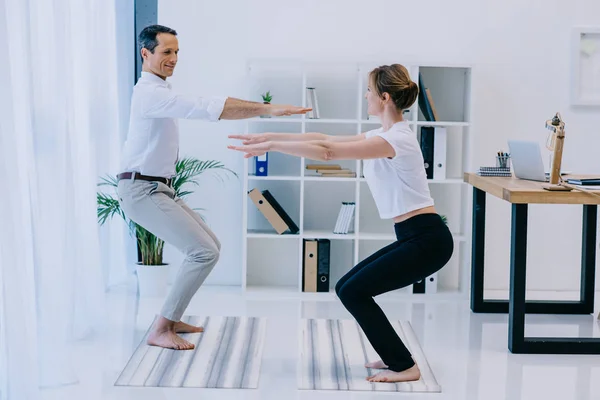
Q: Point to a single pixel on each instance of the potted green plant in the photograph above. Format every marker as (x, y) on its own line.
(266, 100)
(152, 272)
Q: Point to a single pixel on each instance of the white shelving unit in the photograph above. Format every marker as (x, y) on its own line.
(272, 263)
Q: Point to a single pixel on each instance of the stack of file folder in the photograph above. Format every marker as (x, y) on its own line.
(331, 170)
(344, 220)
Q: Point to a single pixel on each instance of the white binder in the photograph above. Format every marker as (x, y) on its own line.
(349, 217)
(439, 152)
(431, 283)
(340, 218)
(312, 102)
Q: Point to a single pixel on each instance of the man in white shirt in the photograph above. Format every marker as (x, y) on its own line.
(149, 157)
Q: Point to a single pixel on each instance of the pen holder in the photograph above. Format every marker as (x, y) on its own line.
(503, 161)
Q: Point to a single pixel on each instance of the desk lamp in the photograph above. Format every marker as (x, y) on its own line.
(555, 143)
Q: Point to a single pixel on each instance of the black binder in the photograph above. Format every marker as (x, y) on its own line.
(323, 248)
(419, 287)
(323, 265)
(427, 141)
(279, 210)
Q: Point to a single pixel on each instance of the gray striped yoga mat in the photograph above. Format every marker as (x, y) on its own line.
(334, 354)
(228, 354)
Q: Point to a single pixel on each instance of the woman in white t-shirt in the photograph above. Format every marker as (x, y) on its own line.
(395, 172)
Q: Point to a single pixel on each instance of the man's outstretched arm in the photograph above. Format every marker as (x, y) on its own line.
(164, 103)
(241, 109)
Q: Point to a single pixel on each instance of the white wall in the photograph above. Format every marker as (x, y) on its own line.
(520, 51)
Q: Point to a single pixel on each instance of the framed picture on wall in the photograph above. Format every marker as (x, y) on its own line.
(585, 84)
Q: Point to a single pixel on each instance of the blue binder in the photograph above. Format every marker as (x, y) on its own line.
(261, 165)
(423, 101)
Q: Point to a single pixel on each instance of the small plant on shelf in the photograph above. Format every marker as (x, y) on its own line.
(267, 97)
(266, 100)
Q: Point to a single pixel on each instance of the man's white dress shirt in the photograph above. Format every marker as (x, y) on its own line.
(152, 145)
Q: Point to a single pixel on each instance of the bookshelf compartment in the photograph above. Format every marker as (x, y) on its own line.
(279, 164)
(286, 193)
(336, 89)
(322, 203)
(273, 263)
(449, 87)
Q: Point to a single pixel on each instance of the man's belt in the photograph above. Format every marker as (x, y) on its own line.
(128, 175)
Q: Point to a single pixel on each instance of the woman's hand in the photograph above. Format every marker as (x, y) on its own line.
(251, 138)
(252, 150)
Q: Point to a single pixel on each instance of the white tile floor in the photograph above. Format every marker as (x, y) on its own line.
(467, 352)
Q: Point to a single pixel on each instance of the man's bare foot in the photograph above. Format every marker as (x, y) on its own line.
(169, 340)
(164, 334)
(182, 327)
(411, 374)
(376, 365)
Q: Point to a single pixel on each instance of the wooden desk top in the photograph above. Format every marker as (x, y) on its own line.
(522, 191)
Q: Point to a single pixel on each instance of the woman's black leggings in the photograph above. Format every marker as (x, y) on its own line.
(424, 245)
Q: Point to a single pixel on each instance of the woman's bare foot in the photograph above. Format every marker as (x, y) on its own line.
(182, 327)
(376, 365)
(411, 374)
(163, 335)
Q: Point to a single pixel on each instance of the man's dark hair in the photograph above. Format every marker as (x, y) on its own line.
(147, 37)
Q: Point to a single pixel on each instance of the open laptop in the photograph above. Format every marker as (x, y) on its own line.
(527, 161)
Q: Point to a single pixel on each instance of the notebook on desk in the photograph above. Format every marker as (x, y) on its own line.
(584, 181)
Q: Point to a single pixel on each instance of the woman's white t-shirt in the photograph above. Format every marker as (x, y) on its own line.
(398, 184)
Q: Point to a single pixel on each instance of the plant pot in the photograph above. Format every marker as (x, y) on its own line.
(266, 116)
(152, 280)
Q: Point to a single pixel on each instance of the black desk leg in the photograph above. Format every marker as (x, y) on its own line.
(588, 257)
(478, 250)
(518, 265)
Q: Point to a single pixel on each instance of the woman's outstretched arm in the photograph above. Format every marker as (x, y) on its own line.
(254, 138)
(323, 150)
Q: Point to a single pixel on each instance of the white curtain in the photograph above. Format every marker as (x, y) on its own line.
(60, 128)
